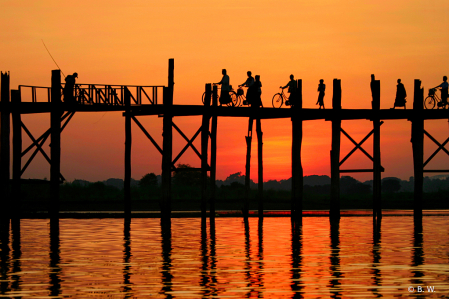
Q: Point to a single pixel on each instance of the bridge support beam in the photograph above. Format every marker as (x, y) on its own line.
(418, 150)
(248, 139)
(16, 151)
(167, 144)
(334, 213)
(297, 170)
(204, 148)
(377, 168)
(128, 142)
(55, 150)
(213, 156)
(5, 202)
(259, 167)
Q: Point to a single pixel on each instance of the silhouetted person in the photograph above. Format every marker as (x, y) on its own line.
(321, 89)
(225, 88)
(291, 89)
(444, 87)
(248, 83)
(257, 101)
(70, 81)
(401, 94)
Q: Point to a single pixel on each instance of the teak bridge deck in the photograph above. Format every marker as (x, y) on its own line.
(94, 97)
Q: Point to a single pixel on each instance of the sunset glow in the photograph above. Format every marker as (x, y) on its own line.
(110, 42)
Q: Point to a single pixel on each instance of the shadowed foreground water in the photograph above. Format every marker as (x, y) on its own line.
(111, 258)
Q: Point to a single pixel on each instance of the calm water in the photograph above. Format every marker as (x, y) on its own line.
(107, 258)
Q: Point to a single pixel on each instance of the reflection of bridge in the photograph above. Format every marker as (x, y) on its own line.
(136, 101)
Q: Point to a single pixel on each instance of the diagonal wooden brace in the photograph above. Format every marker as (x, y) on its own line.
(187, 139)
(189, 143)
(440, 147)
(147, 134)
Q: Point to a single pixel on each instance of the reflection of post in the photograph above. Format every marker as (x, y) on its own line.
(213, 154)
(418, 255)
(418, 151)
(204, 280)
(127, 257)
(166, 258)
(16, 254)
(297, 171)
(248, 167)
(128, 140)
(5, 201)
(16, 151)
(249, 282)
(335, 151)
(4, 257)
(335, 260)
(213, 259)
(55, 150)
(55, 281)
(204, 147)
(376, 256)
(296, 284)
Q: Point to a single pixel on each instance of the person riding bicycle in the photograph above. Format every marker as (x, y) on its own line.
(70, 81)
(225, 88)
(248, 83)
(291, 89)
(444, 88)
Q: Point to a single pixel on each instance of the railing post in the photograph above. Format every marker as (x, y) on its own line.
(16, 150)
(204, 148)
(335, 151)
(128, 141)
(55, 150)
(297, 170)
(5, 202)
(418, 150)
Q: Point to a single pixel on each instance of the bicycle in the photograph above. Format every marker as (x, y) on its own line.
(432, 99)
(279, 99)
(235, 99)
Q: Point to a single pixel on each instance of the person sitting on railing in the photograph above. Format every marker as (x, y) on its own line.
(69, 87)
(291, 89)
(444, 88)
(225, 88)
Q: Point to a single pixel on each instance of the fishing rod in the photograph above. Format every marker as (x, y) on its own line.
(52, 58)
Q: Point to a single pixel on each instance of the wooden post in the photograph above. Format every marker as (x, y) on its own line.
(260, 166)
(335, 151)
(55, 149)
(297, 170)
(16, 150)
(248, 138)
(418, 150)
(213, 155)
(377, 178)
(128, 141)
(204, 148)
(5, 202)
(167, 149)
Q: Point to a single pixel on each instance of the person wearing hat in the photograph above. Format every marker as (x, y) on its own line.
(70, 81)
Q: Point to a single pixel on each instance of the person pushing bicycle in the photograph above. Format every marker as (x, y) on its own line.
(444, 88)
(248, 83)
(291, 89)
(225, 88)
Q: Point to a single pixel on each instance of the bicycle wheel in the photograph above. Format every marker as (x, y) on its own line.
(429, 103)
(233, 101)
(278, 100)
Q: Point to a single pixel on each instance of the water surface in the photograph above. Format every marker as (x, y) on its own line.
(110, 258)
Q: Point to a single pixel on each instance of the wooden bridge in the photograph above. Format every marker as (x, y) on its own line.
(137, 101)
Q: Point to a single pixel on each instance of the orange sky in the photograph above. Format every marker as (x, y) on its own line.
(109, 42)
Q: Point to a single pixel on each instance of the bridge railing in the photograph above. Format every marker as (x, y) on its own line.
(88, 94)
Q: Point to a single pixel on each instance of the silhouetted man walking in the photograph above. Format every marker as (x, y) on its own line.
(225, 88)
